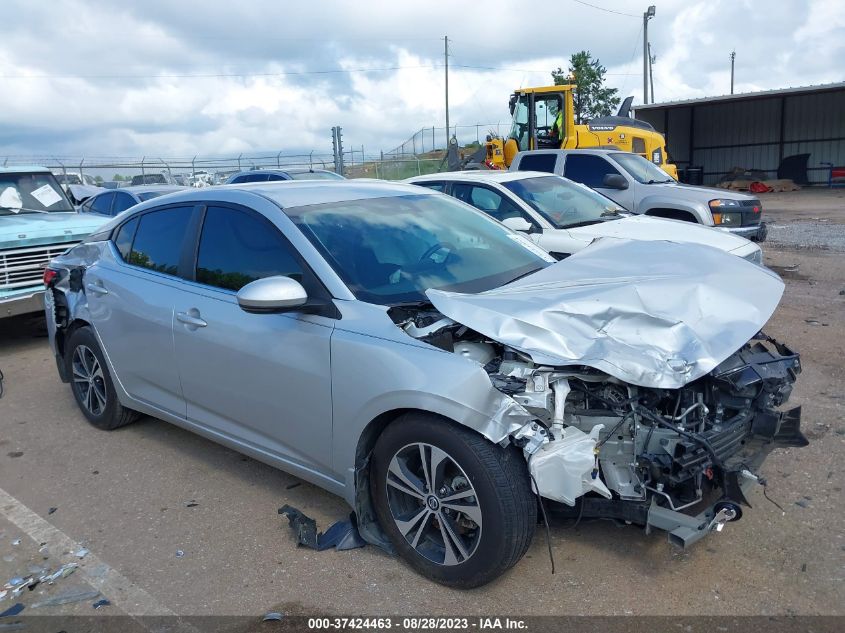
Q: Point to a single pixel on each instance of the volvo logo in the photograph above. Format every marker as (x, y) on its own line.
(433, 503)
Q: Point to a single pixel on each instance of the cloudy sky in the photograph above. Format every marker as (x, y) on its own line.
(178, 78)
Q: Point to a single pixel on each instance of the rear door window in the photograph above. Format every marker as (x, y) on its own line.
(588, 169)
(159, 239)
(122, 201)
(538, 162)
(102, 204)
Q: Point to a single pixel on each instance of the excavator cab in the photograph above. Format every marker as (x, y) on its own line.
(535, 119)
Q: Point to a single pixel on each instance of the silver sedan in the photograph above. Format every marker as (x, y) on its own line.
(440, 372)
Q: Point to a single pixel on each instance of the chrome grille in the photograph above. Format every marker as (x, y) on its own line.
(22, 267)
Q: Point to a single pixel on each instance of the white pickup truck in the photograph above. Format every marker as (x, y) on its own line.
(643, 188)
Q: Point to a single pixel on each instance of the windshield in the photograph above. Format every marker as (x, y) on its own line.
(391, 250)
(563, 202)
(31, 193)
(314, 175)
(641, 170)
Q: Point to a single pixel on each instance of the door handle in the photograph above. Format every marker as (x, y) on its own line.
(97, 289)
(190, 319)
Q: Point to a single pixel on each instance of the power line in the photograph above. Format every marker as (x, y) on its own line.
(223, 75)
(595, 6)
(286, 73)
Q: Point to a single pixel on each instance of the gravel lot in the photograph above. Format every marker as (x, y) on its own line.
(126, 497)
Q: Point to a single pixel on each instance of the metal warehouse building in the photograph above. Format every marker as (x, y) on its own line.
(754, 130)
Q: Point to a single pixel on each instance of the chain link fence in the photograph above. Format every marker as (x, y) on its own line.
(422, 153)
(433, 139)
(193, 170)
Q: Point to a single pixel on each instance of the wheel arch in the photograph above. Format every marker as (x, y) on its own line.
(368, 524)
(673, 214)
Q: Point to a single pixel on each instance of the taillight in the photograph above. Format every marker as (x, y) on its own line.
(50, 276)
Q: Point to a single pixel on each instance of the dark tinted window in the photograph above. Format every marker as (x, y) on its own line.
(275, 177)
(122, 201)
(237, 247)
(588, 169)
(492, 203)
(123, 239)
(437, 186)
(158, 240)
(315, 175)
(538, 162)
(250, 178)
(102, 203)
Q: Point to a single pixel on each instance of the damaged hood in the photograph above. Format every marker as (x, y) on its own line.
(655, 314)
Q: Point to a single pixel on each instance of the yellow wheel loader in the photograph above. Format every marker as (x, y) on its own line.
(543, 118)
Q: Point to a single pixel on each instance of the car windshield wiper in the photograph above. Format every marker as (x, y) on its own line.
(658, 182)
(530, 272)
(575, 225)
(23, 210)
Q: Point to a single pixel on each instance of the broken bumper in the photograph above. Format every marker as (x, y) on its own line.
(684, 530)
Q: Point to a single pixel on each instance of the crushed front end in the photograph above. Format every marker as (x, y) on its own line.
(675, 459)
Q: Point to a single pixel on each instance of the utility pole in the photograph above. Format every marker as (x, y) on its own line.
(646, 17)
(733, 57)
(446, 57)
(651, 59)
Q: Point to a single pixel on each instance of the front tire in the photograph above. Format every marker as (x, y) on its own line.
(91, 382)
(458, 508)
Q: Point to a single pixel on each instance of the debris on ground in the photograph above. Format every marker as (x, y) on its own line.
(51, 510)
(13, 610)
(75, 595)
(101, 603)
(17, 541)
(191, 504)
(342, 535)
(272, 616)
(180, 553)
(82, 552)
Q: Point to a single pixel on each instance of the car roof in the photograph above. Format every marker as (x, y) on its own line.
(17, 169)
(580, 150)
(136, 189)
(492, 175)
(297, 193)
(281, 170)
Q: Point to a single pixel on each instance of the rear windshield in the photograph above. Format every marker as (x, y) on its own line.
(32, 193)
(314, 175)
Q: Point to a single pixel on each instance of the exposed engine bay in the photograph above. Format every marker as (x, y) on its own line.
(606, 448)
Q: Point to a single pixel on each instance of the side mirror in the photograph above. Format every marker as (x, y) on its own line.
(615, 181)
(272, 294)
(517, 224)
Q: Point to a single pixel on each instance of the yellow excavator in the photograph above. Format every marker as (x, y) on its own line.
(535, 125)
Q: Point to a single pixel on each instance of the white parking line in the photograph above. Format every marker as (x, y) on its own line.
(117, 588)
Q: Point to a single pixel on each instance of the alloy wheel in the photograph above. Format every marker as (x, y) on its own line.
(433, 504)
(88, 380)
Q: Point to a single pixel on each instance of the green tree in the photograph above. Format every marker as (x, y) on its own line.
(591, 98)
(98, 180)
(117, 178)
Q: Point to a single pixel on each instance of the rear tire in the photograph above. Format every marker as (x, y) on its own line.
(458, 508)
(91, 382)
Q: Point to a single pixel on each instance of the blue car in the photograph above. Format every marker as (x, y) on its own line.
(272, 175)
(37, 223)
